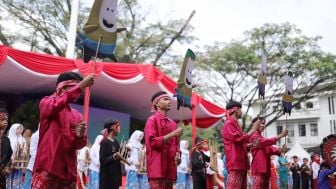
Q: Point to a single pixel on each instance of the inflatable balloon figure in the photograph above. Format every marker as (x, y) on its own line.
(288, 98)
(184, 83)
(100, 31)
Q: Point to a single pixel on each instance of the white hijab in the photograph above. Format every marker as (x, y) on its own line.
(14, 137)
(96, 145)
(184, 147)
(135, 139)
(94, 154)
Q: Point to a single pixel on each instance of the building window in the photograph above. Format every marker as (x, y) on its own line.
(297, 106)
(313, 129)
(279, 129)
(332, 105)
(329, 105)
(275, 108)
(290, 130)
(334, 127)
(309, 105)
(302, 129)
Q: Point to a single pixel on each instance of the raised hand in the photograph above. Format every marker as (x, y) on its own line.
(87, 81)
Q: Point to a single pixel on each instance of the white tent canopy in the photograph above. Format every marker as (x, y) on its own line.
(297, 150)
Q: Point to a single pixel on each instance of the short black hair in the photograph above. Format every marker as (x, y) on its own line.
(158, 94)
(232, 104)
(325, 165)
(109, 122)
(295, 157)
(3, 110)
(65, 76)
(257, 118)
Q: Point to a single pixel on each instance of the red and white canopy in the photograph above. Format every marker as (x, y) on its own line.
(118, 86)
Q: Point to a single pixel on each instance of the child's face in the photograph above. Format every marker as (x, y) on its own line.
(18, 131)
(317, 157)
(164, 104)
(3, 123)
(116, 129)
(140, 137)
(27, 133)
(295, 160)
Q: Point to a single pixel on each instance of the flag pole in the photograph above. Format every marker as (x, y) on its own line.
(70, 52)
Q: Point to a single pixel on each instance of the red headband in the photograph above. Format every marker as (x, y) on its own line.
(62, 84)
(157, 100)
(3, 115)
(231, 110)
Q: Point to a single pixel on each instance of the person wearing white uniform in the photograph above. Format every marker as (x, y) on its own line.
(94, 164)
(183, 169)
(83, 160)
(32, 152)
(18, 145)
(135, 180)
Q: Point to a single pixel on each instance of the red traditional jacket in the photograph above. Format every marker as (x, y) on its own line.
(56, 152)
(160, 156)
(235, 146)
(261, 162)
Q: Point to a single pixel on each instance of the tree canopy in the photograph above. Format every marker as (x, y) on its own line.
(43, 25)
(237, 65)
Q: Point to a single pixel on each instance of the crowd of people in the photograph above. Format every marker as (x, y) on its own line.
(58, 155)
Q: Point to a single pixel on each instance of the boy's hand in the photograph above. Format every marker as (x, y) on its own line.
(80, 129)
(87, 81)
(116, 156)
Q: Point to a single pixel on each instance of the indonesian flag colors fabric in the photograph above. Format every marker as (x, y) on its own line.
(287, 98)
(184, 83)
(118, 86)
(262, 80)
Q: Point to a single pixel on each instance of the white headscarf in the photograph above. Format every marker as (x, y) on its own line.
(184, 147)
(135, 139)
(15, 138)
(94, 154)
(96, 144)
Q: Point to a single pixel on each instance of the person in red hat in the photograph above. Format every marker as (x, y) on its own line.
(162, 141)
(198, 164)
(235, 145)
(62, 132)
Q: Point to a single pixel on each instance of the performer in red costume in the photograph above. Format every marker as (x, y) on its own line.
(235, 145)
(62, 132)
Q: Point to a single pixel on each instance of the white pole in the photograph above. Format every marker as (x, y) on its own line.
(70, 53)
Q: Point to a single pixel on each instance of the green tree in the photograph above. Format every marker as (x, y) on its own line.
(27, 114)
(212, 134)
(237, 65)
(45, 24)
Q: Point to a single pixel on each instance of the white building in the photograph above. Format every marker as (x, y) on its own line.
(309, 122)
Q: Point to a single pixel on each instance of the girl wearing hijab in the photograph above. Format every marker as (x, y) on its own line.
(135, 180)
(18, 147)
(94, 164)
(83, 160)
(183, 170)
